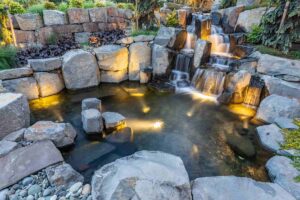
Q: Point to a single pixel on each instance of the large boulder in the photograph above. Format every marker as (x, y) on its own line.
(78, 15)
(202, 52)
(283, 68)
(143, 175)
(54, 17)
(283, 88)
(282, 171)
(63, 175)
(15, 73)
(160, 59)
(14, 113)
(80, 70)
(27, 86)
(112, 57)
(230, 18)
(29, 21)
(275, 106)
(92, 121)
(236, 188)
(62, 134)
(25, 161)
(49, 83)
(171, 37)
(139, 58)
(45, 64)
(249, 18)
(114, 76)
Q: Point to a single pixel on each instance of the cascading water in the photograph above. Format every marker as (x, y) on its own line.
(252, 98)
(180, 76)
(220, 42)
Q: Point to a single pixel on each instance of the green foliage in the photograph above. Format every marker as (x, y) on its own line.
(172, 20)
(275, 52)
(5, 34)
(100, 4)
(292, 138)
(63, 6)
(28, 3)
(282, 38)
(228, 3)
(88, 4)
(296, 163)
(15, 8)
(76, 3)
(38, 8)
(110, 4)
(129, 6)
(143, 32)
(50, 5)
(52, 39)
(254, 36)
(7, 57)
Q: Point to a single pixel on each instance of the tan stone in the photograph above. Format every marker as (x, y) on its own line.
(29, 21)
(44, 34)
(78, 15)
(98, 14)
(49, 83)
(25, 36)
(114, 76)
(65, 29)
(90, 27)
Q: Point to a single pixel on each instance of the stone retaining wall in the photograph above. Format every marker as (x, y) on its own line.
(35, 29)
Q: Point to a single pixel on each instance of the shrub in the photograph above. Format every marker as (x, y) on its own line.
(172, 19)
(52, 39)
(63, 6)
(28, 3)
(129, 6)
(292, 138)
(255, 35)
(7, 57)
(5, 34)
(15, 8)
(100, 4)
(88, 4)
(50, 5)
(36, 9)
(296, 163)
(76, 3)
(228, 3)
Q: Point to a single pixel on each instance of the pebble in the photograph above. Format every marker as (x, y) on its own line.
(89, 197)
(54, 197)
(47, 192)
(34, 189)
(74, 188)
(86, 189)
(23, 193)
(13, 197)
(30, 197)
(28, 180)
(62, 198)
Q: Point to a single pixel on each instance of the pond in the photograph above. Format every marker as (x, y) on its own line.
(192, 128)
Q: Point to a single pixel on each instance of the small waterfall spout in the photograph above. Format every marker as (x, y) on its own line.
(220, 42)
(252, 98)
(209, 82)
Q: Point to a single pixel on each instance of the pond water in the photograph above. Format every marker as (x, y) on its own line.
(192, 128)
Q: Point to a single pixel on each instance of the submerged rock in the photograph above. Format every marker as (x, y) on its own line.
(241, 145)
(113, 120)
(143, 175)
(236, 188)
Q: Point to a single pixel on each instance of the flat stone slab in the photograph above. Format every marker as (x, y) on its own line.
(113, 120)
(286, 123)
(16, 136)
(91, 103)
(6, 147)
(27, 160)
(15, 73)
(45, 64)
(236, 188)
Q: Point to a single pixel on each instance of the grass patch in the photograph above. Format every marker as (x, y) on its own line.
(38, 9)
(296, 163)
(7, 57)
(275, 52)
(144, 32)
(292, 138)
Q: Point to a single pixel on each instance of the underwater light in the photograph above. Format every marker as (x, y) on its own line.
(158, 125)
(146, 109)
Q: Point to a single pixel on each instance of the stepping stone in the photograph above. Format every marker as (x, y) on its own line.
(113, 120)
(92, 121)
(25, 161)
(91, 103)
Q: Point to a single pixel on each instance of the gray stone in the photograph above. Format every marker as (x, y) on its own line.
(270, 137)
(78, 15)
(137, 176)
(26, 86)
(247, 2)
(275, 106)
(15, 73)
(125, 41)
(30, 197)
(282, 88)
(16, 136)
(54, 17)
(112, 57)
(82, 37)
(91, 103)
(139, 58)
(114, 76)
(6, 147)
(249, 65)
(286, 123)
(14, 113)
(160, 59)
(75, 187)
(240, 145)
(4, 194)
(92, 121)
(238, 84)
(23, 193)
(49, 83)
(62, 134)
(86, 189)
(63, 175)
(230, 18)
(236, 188)
(113, 120)
(282, 172)
(47, 192)
(202, 52)
(2, 89)
(27, 160)
(34, 189)
(249, 18)
(80, 70)
(166, 36)
(45, 64)
(98, 14)
(143, 38)
(278, 66)
(28, 180)
(29, 21)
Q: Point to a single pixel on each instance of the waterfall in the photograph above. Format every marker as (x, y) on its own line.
(220, 42)
(209, 82)
(253, 92)
(183, 63)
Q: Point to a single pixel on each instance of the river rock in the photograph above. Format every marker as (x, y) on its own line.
(282, 172)
(6, 147)
(112, 57)
(62, 134)
(92, 121)
(230, 18)
(54, 17)
(63, 175)
(14, 113)
(86, 189)
(283, 68)
(247, 19)
(25, 161)
(45, 64)
(78, 15)
(136, 176)
(4, 194)
(236, 188)
(202, 52)
(16, 136)
(275, 106)
(270, 137)
(26, 86)
(114, 76)
(80, 70)
(139, 57)
(91, 103)
(286, 123)
(49, 83)
(29, 21)
(15, 73)
(34, 189)
(160, 59)
(283, 88)
(143, 38)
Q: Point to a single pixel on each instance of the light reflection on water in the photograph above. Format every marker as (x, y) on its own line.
(178, 124)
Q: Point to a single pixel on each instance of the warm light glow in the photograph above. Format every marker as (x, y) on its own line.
(137, 94)
(46, 102)
(158, 125)
(243, 111)
(146, 109)
(195, 149)
(189, 114)
(196, 95)
(138, 125)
